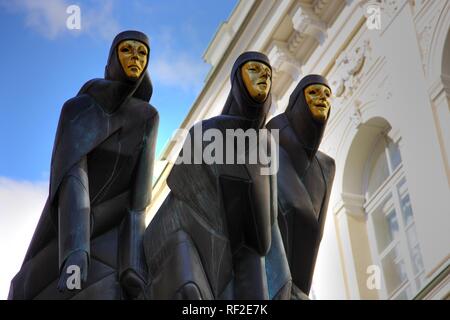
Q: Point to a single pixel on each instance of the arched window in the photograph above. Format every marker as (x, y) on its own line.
(391, 228)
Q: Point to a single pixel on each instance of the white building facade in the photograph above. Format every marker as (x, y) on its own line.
(387, 233)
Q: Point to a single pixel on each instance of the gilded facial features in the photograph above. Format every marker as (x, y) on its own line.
(133, 57)
(318, 99)
(257, 78)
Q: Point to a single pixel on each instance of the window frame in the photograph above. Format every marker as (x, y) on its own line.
(389, 193)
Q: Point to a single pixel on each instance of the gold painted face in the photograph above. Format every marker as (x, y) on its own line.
(133, 57)
(257, 79)
(318, 99)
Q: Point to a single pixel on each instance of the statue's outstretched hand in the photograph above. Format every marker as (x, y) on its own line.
(74, 272)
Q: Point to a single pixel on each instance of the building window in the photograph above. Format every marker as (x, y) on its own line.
(392, 233)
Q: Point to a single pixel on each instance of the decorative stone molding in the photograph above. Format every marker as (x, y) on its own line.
(395, 136)
(351, 204)
(356, 116)
(425, 35)
(295, 40)
(283, 61)
(319, 6)
(307, 22)
(226, 32)
(348, 66)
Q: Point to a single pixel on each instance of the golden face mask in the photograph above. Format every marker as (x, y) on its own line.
(318, 99)
(133, 57)
(257, 78)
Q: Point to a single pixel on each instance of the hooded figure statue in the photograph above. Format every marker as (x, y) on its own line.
(305, 177)
(88, 242)
(210, 237)
(240, 104)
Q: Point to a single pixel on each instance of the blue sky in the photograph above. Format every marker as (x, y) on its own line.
(44, 64)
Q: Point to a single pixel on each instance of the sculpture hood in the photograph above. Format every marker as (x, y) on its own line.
(239, 102)
(85, 122)
(116, 87)
(307, 130)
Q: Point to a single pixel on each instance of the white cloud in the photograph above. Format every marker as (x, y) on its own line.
(175, 68)
(21, 203)
(48, 18)
(99, 22)
(182, 71)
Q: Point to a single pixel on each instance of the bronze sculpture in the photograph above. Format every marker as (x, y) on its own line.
(210, 237)
(225, 231)
(100, 186)
(305, 177)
